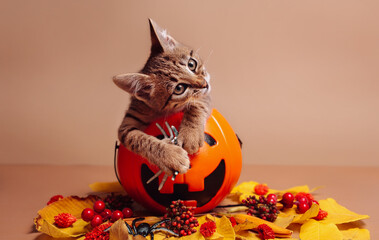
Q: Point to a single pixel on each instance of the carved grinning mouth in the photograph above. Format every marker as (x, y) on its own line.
(212, 183)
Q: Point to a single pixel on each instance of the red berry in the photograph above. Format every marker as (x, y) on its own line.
(99, 206)
(308, 196)
(54, 199)
(321, 215)
(127, 212)
(302, 200)
(233, 221)
(271, 198)
(261, 189)
(106, 214)
(271, 195)
(288, 199)
(302, 207)
(116, 215)
(88, 214)
(96, 220)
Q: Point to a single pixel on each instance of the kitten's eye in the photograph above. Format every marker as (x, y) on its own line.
(180, 89)
(192, 64)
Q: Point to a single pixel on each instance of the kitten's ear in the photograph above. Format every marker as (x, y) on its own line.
(137, 84)
(160, 40)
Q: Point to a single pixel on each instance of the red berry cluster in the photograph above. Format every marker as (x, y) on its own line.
(303, 202)
(265, 232)
(208, 228)
(118, 202)
(98, 233)
(64, 220)
(261, 189)
(182, 218)
(264, 208)
(321, 214)
(100, 214)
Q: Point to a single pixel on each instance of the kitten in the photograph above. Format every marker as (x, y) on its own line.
(173, 79)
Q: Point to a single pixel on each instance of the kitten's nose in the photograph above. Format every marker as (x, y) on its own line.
(205, 84)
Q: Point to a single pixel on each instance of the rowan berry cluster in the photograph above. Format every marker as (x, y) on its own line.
(182, 218)
(100, 214)
(261, 207)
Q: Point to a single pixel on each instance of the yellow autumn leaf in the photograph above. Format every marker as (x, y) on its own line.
(44, 222)
(355, 234)
(194, 236)
(338, 214)
(225, 228)
(284, 220)
(247, 235)
(247, 222)
(315, 230)
(77, 229)
(106, 187)
(310, 213)
(244, 187)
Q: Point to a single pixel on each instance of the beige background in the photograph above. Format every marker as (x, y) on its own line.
(297, 80)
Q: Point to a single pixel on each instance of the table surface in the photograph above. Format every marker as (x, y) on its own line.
(26, 188)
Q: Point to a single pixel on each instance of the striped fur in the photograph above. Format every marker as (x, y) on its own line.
(173, 79)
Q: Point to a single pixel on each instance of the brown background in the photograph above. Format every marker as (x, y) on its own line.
(297, 80)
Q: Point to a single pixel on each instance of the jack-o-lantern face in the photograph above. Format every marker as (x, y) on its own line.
(214, 171)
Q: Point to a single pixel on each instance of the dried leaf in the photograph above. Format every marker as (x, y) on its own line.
(315, 230)
(338, 214)
(119, 231)
(356, 234)
(106, 187)
(45, 220)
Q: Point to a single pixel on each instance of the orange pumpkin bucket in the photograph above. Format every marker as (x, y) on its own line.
(214, 171)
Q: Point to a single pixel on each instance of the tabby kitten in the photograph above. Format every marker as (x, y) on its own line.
(173, 79)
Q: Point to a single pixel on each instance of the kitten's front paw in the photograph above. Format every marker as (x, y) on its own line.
(174, 158)
(191, 140)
